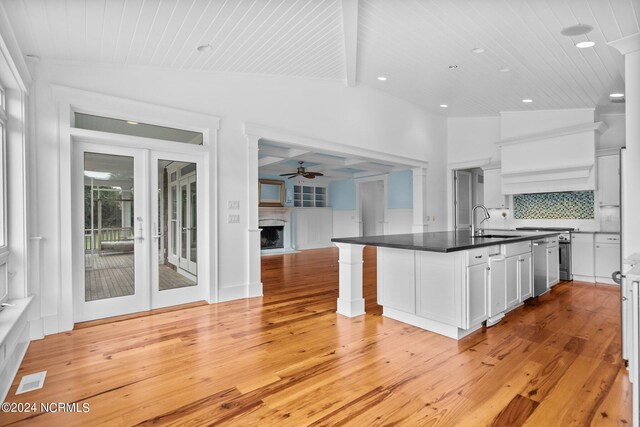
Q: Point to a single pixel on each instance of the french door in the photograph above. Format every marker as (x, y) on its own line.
(138, 248)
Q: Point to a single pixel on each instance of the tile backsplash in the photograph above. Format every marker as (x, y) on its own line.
(566, 205)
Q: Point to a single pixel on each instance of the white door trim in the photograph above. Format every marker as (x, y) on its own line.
(60, 318)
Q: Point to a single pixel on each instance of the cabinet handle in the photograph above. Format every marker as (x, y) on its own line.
(488, 268)
(478, 256)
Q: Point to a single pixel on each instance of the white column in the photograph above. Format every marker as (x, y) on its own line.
(630, 48)
(255, 283)
(350, 301)
(420, 200)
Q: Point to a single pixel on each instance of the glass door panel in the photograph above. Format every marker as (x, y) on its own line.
(108, 230)
(176, 206)
(111, 248)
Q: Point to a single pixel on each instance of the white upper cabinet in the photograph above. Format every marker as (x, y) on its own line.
(609, 180)
(493, 197)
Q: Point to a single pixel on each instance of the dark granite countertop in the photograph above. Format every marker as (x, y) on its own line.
(444, 241)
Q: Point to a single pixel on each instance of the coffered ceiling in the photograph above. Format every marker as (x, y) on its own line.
(410, 42)
(277, 158)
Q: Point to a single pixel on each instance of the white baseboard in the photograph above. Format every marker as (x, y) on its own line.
(36, 329)
(588, 279)
(607, 280)
(428, 324)
(50, 325)
(230, 293)
(255, 290)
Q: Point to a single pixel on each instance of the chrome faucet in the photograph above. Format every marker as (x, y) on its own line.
(473, 220)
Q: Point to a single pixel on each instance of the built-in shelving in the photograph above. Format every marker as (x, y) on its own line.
(305, 196)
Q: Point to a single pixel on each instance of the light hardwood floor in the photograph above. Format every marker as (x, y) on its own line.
(289, 359)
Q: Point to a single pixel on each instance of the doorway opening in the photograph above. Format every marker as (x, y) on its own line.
(371, 207)
(468, 191)
(132, 264)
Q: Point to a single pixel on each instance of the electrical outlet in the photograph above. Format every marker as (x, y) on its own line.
(234, 219)
(233, 204)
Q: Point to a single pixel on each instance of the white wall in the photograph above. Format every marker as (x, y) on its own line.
(314, 108)
(472, 139)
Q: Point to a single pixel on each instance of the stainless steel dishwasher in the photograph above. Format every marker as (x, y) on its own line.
(540, 267)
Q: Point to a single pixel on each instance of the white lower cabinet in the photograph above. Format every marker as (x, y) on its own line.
(513, 274)
(607, 259)
(582, 255)
(553, 266)
(476, 294)
(525, 276)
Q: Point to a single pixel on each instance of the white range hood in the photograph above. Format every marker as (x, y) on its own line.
(553, 160)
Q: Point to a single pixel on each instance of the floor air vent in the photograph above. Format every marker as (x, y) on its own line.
(31, 382)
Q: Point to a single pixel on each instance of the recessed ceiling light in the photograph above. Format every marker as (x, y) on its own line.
(204, 48)
(453, 67)
(132, 122)
(616, 95)
(527, 100)
(443, 105)
(382, 78)
(477, 50)
(585, 44)
(576, 30)
(505, 70)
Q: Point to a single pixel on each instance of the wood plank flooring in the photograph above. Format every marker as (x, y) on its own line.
(288, 359)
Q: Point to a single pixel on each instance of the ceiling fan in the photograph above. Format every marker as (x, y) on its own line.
(302, 171)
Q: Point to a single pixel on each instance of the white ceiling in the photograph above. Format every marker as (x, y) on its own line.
(411, 42)
(277, 158)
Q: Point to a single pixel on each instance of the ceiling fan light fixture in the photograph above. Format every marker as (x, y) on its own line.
(302, 171)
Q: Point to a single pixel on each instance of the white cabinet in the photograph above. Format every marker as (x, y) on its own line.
(396, 266)
(525, 276)
(519, 279)
(609, 181)
(476, 294)
(497, 302)
(493, 197)
(512, 281)
(553, 266)
(607, 252)
(582, 256)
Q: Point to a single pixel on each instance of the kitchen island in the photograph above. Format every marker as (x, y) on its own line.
(440, 281)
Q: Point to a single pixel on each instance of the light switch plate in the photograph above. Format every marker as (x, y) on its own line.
(234, 219)
(233, 204)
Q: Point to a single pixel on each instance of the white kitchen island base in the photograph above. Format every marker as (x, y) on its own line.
(429, 324)
(440, 281)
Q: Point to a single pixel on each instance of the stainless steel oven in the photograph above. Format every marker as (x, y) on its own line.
(564, 241)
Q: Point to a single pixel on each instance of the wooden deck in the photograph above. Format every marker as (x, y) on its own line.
(109, 276)
(288, 359)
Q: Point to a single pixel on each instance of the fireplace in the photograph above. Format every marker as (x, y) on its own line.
(272, 237)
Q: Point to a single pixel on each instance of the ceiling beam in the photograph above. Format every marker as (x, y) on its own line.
(350, 30)
(284, 153)
(269, 160)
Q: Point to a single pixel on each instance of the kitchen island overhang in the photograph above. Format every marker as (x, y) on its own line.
(436, 281)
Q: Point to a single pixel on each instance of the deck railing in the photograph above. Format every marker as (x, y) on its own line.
(105, 235)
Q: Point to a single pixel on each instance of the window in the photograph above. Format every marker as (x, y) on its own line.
(128, 127)
(4, 253)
